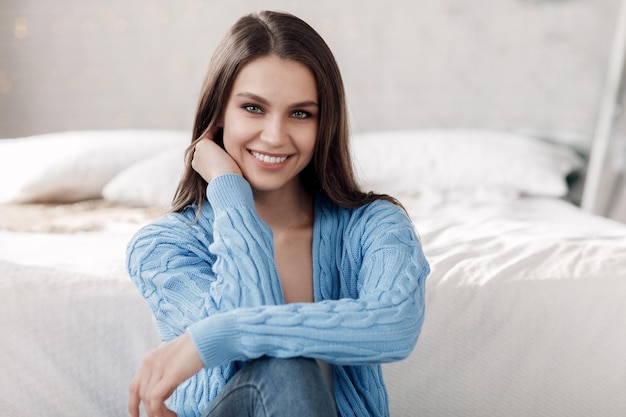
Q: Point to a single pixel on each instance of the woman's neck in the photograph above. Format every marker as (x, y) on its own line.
(285, 209)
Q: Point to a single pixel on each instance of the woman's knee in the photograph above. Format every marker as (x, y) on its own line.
(299, 369)
(294, 384)
(272, 387)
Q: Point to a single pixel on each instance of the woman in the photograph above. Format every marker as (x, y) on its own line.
(278, 286)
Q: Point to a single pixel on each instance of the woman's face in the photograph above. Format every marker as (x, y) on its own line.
(270, 122)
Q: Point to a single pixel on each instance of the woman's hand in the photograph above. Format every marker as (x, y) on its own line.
(162, 370)
(210, 160)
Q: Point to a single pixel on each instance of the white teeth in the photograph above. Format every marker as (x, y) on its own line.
(269, 159)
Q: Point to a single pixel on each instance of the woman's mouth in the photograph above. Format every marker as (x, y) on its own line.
(269, 159)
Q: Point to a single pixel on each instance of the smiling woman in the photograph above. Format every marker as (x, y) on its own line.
(270, 123)
(266, 280)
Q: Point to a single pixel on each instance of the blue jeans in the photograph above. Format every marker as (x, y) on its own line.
(271, 387)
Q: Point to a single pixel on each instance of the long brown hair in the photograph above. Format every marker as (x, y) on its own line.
(288, 37)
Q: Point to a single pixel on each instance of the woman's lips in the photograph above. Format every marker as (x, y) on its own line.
(269, 159)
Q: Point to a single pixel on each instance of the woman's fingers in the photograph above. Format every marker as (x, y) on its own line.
(161, 371)
(152, 389)
(155, 404)
(211, 160)
(133, 399)
(150, 393)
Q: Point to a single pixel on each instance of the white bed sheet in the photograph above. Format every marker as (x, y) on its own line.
(526, 316)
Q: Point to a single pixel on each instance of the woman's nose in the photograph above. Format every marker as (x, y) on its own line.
(274, 131)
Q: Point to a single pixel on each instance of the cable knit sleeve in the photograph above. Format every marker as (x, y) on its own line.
(188, 270)
(378, 319)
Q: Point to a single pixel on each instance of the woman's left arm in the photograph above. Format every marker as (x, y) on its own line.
(381, 324)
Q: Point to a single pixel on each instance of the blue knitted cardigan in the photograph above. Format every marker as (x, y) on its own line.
(216, 279)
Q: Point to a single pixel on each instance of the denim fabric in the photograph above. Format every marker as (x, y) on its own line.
(270, 387)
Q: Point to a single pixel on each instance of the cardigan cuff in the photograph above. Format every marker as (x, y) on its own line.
(215, 338)
(229, 190)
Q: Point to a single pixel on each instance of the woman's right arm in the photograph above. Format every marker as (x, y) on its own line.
(186, 273)
(190, 270)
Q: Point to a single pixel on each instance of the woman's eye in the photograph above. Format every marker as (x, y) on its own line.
(299, 114)
(252, 108)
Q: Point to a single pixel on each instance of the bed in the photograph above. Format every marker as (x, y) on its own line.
(526, 302)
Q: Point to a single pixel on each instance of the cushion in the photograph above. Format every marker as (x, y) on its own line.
(150, 182)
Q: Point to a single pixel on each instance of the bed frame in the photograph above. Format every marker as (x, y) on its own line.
(603, 188)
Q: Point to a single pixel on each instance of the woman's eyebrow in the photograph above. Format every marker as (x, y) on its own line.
(252, 96)
(309, 103)
(255, 97)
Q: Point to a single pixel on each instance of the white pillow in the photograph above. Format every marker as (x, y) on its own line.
(150, 182)
(73, 166)
(463, 160)
(470, 163)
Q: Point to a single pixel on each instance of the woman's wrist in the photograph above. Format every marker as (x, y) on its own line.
(229, 190)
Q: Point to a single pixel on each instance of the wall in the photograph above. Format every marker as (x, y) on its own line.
(513, 64)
